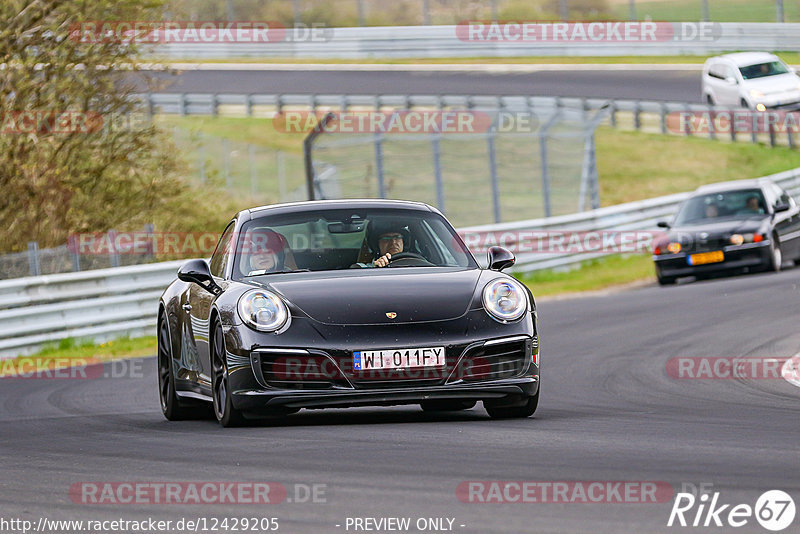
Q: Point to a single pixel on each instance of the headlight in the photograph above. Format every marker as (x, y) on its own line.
(738, 239)
(263, 310)
(505, 299)
(755, 93)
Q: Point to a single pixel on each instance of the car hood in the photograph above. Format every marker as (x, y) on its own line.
(372, 296)
(724, 227)
(774, 84)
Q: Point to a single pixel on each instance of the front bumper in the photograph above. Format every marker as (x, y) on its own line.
(736, 257)
(515, 390)
(311, 365)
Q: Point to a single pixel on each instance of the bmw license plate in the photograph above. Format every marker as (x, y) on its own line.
(398, 358)
(706, 257)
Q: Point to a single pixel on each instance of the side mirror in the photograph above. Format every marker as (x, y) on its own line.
(663, 224)
(500, 258)
(197, 272)
(781, 206)
(731, 80)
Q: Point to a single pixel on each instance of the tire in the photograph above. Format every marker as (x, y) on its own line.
(743, 103)
(710, 100)
(226, 414)
(513, 412)
(775, 259)
(665, 280)
(448, 405)
(171, 405)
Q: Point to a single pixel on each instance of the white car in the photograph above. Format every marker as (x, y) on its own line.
(754, 80)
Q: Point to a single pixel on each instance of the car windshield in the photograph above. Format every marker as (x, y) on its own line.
(725, 204)
(761, 70)
(335, 239)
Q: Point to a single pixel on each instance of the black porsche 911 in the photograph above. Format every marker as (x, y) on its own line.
(333, 304)
(744, 225)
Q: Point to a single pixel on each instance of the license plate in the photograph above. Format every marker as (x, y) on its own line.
(706, 257)
(398, 358)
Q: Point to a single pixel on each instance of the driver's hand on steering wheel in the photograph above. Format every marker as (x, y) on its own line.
(383, 261)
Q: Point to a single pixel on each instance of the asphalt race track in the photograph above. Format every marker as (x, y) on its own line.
(670, 85)
(609, 412)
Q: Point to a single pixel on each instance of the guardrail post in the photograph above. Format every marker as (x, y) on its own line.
(113, 253)
(772, 141)
(33, 258)
(437, 169)
(613, 113)
(183, 104)
(754, 126)
(637, 116)
(74, 252)
(733, 130)
(493, 175)
(663, 111)
(249, 105)
(712, 134)
(790, 136)
(379, 165)
(149, 229)
(215, 105)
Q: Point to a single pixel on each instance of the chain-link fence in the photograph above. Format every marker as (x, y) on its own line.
(514, 163)
(255, 174)
(348, 13)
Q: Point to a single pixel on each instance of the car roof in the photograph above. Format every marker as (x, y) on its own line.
(743, 59)
(346, 203)
(732, 185)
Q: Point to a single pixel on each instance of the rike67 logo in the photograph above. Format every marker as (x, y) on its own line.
(774, 510)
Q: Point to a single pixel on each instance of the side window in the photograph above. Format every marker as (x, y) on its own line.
(221, 255)
(728, 72)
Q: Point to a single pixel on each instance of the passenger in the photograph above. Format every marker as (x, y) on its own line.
(712, 211)
(265, 250)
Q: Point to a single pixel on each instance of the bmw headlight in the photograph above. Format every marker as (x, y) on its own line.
(505, 299)
(263, 310)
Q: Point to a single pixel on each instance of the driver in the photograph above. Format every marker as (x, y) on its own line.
(385, 239)
(752, 205)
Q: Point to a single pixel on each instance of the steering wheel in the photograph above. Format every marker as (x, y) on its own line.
(408, 259)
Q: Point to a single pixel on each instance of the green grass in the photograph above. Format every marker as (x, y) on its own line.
(601, 273)
(81, 351)
(719, 10)
(634, 165)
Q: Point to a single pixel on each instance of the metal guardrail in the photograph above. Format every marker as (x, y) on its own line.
(101, 304)
(108, 303)
(444, 41)
(640, 115)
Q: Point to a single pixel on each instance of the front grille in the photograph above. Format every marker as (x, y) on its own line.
(300, 371)
(495, 362)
